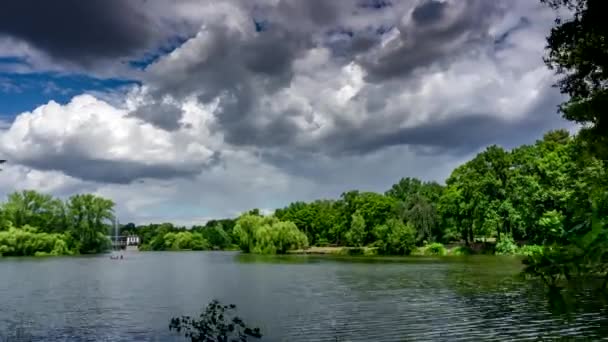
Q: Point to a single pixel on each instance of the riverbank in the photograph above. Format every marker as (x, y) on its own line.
(434, 249)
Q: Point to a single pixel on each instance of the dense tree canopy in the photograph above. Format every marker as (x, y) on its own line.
(578, 51)
(35, 223)
(530, 194)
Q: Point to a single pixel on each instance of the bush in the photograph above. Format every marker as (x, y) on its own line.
(216, 324)
(180, 241)
(528, 250)
(395, 238)
(353, 251)
(435, 248)
(506, 246)
(322, 242)
(370, 251)
(462, 250)
(28, 242)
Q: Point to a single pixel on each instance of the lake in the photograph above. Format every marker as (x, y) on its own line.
(291, 298)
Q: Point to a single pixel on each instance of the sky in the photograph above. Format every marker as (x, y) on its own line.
(184, 111)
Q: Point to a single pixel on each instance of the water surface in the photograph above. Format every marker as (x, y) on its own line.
(291, 298)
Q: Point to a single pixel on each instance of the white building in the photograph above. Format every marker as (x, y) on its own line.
(132, 240)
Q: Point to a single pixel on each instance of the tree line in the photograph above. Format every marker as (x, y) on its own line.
(32, 223)
(532, 194)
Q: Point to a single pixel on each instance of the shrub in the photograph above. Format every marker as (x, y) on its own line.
(28, 242)
(395, 238)
(353, 251)
(435, 248)
(462, 250)
(506, 246)
(528, 250)
(217, 323)
(370, 251)
(322, 242)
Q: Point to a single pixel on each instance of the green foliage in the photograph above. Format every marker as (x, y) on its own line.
(578, 52)
(245, 231)
(268, 235)
(585, 256)
(462, 250)
(551, 224)
(28, 242)
(88, 218)
(183, 240)
(322, 242)
(529, 250)
(356, 235)
(38, 224)
(38, 210)
(218, 323)
(506, 246)
(436, 249)
(395, 238)
(216, 235)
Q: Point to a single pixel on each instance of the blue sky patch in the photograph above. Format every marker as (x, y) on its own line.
(24, 92)
(153, 56)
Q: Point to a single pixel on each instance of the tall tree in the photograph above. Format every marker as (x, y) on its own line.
(90, 218)
(578, 51)
(38, 210)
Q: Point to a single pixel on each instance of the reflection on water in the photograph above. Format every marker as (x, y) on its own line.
(292, 298)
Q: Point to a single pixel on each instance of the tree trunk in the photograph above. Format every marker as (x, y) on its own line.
(471, 236)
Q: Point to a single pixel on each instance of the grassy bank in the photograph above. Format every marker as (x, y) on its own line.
(434, 249)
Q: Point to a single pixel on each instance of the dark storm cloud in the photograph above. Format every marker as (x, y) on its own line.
(113, 171)
(436, 33)
(319, 12)
(236, 71)
(160, 114)
(109, 171)
(429, 12)
(77, 31)
(459, 133)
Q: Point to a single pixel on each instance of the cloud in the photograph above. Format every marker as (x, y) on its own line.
(92, 140)
(79, 32)
(300, 83)
(273, 101)
(433, 32)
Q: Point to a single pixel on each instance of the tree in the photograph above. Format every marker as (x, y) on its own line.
(405, 188)
(38, 210)
(268, 235)
(417, 204)
(395, 238)
(303, 215)
(89, 218)
(286, 236)
(578, 51)
(245, 230)
(217, 236)
(356, 235)
(422, 216)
